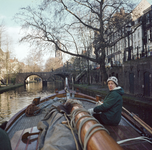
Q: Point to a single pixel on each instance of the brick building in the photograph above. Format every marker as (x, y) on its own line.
(135, 76)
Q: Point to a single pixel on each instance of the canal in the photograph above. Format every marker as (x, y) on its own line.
(14, 100)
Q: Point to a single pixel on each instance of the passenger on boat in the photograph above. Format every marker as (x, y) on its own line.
(109, 113)
(5, 143)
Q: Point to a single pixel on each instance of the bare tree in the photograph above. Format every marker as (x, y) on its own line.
(52, 64)
(53, 20)
(2, 30)
(34, 62)
(8, 55)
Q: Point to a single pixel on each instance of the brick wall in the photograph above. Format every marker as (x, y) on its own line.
(135, 76)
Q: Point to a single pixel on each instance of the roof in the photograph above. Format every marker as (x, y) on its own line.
(138, 10)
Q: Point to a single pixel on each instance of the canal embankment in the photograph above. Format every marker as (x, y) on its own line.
(5, 88)
(96, 89)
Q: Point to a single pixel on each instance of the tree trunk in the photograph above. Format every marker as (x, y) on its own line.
(88, 73)
(103, 73)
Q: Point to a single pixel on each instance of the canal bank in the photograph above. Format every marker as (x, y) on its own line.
(96, 89)
(9, 87)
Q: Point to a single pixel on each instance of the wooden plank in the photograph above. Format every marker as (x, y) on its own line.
(113, 133)
(28, 144)
(22, 144)
(124, 130)
(80, 95)
(33, 142)
(14, 118)
(16, 139)
(121, 132)
(140, 144)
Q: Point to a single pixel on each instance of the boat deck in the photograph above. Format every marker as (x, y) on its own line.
(124, 131)
(121, 132)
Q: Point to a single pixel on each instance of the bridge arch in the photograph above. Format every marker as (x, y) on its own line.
(45, 76)
(21, 77)
(32, 75)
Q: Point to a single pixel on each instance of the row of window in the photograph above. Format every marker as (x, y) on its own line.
(139, 40)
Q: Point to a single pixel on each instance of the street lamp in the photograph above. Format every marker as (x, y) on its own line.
(128, 27)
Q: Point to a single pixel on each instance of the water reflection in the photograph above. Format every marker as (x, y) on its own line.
(14, 100)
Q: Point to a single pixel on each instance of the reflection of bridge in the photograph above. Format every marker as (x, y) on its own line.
(45, 76)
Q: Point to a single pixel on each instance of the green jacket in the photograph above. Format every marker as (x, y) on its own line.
(111, 107)
(5, 143)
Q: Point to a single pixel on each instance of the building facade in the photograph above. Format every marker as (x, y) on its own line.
(136, 43)
(130, 58)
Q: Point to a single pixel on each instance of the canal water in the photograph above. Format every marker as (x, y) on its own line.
(14, 100)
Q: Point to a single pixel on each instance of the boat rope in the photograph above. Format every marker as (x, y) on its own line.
(137, 138)
(76, 143)
(87, 137)
(74, 113)
(90, 133)
(90, 130)
(81, 118)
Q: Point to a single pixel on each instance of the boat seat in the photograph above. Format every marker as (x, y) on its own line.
(30, 143)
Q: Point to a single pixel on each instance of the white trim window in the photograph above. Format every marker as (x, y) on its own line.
(148, 36)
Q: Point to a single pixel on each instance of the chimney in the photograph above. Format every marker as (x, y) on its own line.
(122, 11)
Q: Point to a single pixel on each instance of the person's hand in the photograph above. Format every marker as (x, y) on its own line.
(99, 103)
(91, 111)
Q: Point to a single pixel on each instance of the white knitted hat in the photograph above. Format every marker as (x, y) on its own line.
(114, 79)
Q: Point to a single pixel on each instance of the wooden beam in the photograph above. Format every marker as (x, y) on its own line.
(100, 140)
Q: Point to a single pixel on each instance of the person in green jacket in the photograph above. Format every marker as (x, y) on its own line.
(5, 143)
(109, 113)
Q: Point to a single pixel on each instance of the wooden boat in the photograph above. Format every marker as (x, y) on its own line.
(61, 121)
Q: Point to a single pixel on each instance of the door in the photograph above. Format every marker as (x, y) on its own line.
(146, 84)
(131, 83)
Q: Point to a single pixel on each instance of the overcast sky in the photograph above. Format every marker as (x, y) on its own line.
(8, 8)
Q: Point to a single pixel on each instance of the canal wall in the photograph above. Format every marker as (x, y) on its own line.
(96, 89)
(135, 76)
(9, 87)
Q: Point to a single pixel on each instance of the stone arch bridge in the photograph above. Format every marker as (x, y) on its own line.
(45, 76)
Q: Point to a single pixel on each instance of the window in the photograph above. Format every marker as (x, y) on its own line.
(151, 16)
(147, 18)
(151, 34)
(138, 44)
(148, 36)
(135, 48)
(138, 33)
(134, 36)
(123, 31)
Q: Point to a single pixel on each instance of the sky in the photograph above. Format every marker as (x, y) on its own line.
(8, 8)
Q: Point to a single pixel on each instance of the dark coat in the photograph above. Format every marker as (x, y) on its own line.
(111, 107)
(5, 143)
